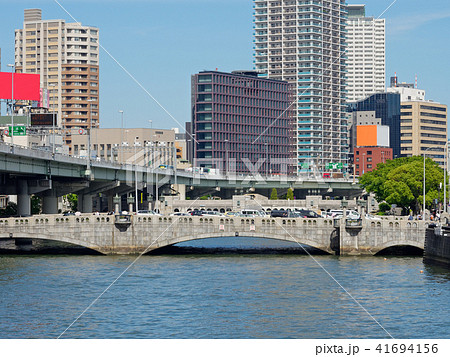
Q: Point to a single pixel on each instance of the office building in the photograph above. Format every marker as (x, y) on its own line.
(142, 146)
(240, 122)
(424, 129)
(369, 142)
(368, 157)
(66, 55)
(366, 54)
(304, 43)
(387, 108)
(423, 123)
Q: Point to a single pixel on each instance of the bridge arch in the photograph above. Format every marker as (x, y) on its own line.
(54, 238)
(408, 246)
(244, 234)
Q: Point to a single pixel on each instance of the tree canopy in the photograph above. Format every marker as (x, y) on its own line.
(290, 194)
(274, 194)
(400, 182)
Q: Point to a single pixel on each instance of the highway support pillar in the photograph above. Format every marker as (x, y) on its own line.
(86, 203)
(23, 199)
(50, 202)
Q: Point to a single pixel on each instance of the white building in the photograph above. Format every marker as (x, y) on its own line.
(366, 54)
(303, 42)
(407, 93)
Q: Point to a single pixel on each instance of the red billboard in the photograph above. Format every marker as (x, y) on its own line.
(26, 86)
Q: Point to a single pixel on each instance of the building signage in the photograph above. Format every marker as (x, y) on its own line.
(42, 119)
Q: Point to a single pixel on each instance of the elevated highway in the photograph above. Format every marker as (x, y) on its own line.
(25, 171)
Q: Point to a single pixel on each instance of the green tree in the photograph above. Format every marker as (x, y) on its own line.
(274, 194)
(9, 210)
(72, 199)
(290, 194)
(400, 182)
(35, 204)
(384, 207)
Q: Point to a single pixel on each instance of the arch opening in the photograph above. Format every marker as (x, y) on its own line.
(42, 246)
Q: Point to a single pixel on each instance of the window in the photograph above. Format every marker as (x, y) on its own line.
(439, 109)
(432, 128)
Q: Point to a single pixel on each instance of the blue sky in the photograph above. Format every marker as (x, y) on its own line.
(163, 42)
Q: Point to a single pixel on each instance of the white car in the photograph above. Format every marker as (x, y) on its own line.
(144, 212)
(351, 214)
(179, 214)
(375, 218)
(212, 214)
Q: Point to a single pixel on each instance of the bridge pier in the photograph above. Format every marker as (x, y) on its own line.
(50, 202)
(23, 198)
(86, 203)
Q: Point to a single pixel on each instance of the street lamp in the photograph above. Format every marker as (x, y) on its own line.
(135, 172)
(226, 157)
(445, 176)
(267, 158)
(53, 85)
(89, 137)
(424, 159)
(364, 162)
(28, 115)
(121, 139)
(12, 102)
(151, 123)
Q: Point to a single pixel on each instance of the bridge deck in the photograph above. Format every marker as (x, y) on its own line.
(144, 233)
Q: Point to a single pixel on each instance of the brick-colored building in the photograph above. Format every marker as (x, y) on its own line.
(368, 157)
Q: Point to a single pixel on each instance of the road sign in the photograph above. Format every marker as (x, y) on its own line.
(305, 165)
(19, 130)
(335, 166)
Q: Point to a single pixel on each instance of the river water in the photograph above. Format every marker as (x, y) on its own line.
(223, 294)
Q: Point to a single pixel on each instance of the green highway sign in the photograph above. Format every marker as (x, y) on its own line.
(20, 130)
(305, 165)
(334, 166)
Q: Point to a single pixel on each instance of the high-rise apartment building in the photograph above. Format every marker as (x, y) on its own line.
(303, 42)
(366, 54)
(66, 55)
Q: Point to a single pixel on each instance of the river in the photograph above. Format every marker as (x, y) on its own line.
(245, 288)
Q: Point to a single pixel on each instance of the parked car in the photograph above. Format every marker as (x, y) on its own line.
(284, 213)
(145, 212)
(179, 214)
(351, 214)
(252, 213)
(307, 213)
(212, 214)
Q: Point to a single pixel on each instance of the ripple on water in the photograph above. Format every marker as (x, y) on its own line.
(224, 296)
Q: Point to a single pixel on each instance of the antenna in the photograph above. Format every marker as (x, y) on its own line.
(395, 76)
(416, 82)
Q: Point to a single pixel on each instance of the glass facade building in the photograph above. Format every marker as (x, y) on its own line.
(386, 107)
(241, 122)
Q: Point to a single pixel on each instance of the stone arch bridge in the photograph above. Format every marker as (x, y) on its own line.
(125, 234)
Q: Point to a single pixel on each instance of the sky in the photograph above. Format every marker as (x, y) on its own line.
(151, 48)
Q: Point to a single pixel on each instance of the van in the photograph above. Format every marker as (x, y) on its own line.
(251, 213)
(338, 213)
